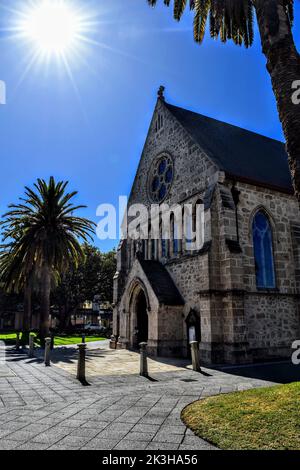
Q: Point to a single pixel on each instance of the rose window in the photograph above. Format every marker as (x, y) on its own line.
(161, 178)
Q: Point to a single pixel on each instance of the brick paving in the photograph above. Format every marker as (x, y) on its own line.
(102, 362)
(47, 408)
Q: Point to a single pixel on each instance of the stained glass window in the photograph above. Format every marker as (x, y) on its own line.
(189, 239)
(164, 248)
(162, 166)
(175, 237)
(155, 184)
(263, 251)
(161, 178)
(169, 175)
(153, 249)
(162, 192)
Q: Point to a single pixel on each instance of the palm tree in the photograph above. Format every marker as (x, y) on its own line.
(233, 20)
(45, 240)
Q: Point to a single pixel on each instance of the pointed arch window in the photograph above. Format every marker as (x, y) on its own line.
(195, 227)
(174, 235)
(189, 226)
(164, 241)
(263, 251)
(153, 249)
(164, 248)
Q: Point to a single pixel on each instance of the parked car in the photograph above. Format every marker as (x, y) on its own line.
(94, 327)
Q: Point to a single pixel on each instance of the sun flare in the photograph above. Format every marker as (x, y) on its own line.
(54, 27)
(57, 38)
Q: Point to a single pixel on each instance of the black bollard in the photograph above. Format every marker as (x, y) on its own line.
(143, 360)
(81, 363)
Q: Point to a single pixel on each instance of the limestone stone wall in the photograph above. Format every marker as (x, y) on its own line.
(190, 274)
(272, 318)
(170, 331)
(190, 165)
(283, 210)
(193, 170)
(239, 323)
(272, 322)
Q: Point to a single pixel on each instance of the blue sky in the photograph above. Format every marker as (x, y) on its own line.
(92, 132)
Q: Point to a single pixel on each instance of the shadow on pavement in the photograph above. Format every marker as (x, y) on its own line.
(67, 355)
(278, 372)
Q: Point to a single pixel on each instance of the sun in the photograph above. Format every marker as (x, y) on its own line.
(54, 27)
(55, 37)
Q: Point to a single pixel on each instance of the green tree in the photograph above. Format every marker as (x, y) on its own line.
(43, 239)
(93, 276)
(107, 272)
(233, 20)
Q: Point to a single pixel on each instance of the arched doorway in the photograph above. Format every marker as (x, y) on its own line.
(142, 327)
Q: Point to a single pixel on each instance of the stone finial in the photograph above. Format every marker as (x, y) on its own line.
(160, 93)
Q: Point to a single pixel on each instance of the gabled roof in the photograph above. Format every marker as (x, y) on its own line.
(238, 152)
(161, 283)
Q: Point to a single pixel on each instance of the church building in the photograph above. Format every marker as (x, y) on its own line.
(238, 295)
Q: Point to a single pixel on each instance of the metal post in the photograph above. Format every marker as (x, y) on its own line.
(47, 351)
(81, 362)
(83, 338)
(31, 345)
(143, 360)
(18, 341)
(195, 356)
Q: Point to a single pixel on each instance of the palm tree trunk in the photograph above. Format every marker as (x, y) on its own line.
(26, 314)
(283, 64)
(45, 304)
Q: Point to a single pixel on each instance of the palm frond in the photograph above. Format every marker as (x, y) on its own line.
(228, 19)
(42, 231)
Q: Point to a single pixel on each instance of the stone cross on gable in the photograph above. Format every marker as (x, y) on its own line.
(160, 93)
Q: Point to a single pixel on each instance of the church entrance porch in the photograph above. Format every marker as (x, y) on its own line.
(159, 326)
(151, 311)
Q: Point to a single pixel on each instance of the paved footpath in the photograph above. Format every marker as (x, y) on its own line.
(47, 408)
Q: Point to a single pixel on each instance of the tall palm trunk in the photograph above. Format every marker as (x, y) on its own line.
(27, 313)
(45, 303)
(283, 64)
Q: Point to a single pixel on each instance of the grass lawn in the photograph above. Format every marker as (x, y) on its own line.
(58, 340)
(64, 340)
(265, 418)
(8, 337)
